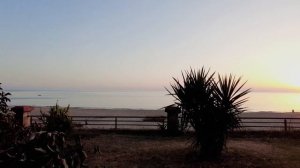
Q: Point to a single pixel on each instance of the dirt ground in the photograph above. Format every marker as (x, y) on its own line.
(149, 151)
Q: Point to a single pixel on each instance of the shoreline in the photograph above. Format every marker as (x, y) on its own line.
(250, 120)
(80, 111)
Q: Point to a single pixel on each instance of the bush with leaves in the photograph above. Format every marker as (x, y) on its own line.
(43, 149)
(3, 100)
(57, 119)
(211, 107)
(8, 125)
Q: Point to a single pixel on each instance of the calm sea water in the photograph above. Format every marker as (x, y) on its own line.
(258, 101)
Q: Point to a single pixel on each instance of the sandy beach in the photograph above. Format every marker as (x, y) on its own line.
(250, 120)
(76, 111)
(141, 112)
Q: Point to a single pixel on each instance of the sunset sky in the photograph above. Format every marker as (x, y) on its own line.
(142, 44)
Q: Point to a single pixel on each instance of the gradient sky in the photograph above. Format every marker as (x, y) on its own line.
(134, 44)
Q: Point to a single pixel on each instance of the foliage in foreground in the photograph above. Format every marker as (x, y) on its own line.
(43, 149)
(8, 125)
(211, 107)
(57, 119)
(3, 100)
(27, 147)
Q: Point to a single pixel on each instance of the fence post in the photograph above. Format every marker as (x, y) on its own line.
(285, 125)
(116, 122)
(172, 119)
(86, 123)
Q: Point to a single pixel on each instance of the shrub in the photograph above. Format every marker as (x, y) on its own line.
(211, 108)
(43, 149)
(57, 119)
(8, 125)
(3, 100)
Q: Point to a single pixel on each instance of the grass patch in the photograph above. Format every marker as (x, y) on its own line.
(138, 149)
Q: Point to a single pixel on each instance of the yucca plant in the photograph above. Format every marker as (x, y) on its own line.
(211, 108)
(230, 99)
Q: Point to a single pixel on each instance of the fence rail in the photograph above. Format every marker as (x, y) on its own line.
(156, 122)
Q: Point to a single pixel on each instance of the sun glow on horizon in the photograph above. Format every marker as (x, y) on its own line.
(275, 67)
(287, 74)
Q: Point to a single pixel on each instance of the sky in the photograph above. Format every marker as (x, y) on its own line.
(141, 45)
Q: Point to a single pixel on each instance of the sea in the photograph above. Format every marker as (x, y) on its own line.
(257, 101)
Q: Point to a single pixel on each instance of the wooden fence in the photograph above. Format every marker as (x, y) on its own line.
(275, 123)
(159, 122)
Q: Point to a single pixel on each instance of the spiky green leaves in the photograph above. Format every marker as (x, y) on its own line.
(229, 93)
(212, 107)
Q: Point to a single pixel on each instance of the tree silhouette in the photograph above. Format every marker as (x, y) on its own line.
(211, 108)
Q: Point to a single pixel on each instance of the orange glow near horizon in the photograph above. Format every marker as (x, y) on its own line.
(277, 83)
(274, 68)
(287, 75)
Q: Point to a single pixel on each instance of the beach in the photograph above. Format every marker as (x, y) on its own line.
(96, 117)
(77, 111)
